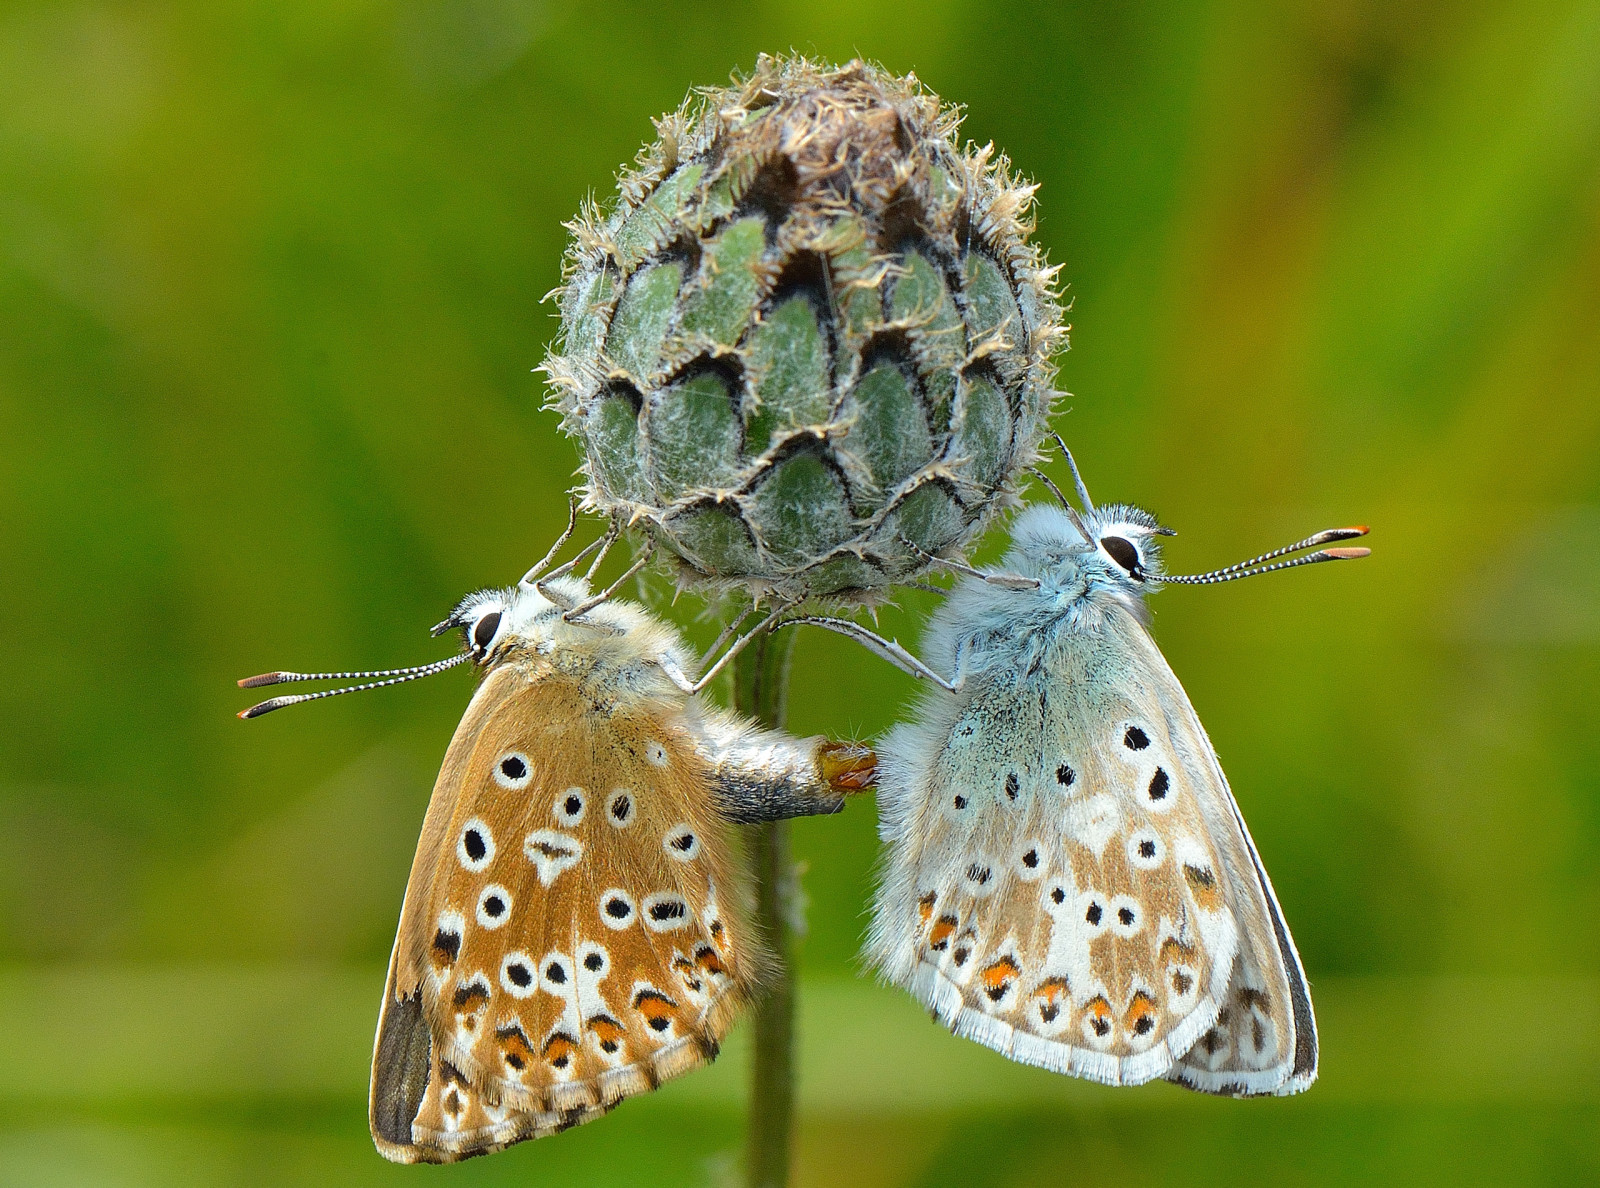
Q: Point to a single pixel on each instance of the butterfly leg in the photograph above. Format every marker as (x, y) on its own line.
(589, 604)
(888, 649)
(1006, 581)
(572, 522)
(734, 649)
(605, 547)
(549, 591)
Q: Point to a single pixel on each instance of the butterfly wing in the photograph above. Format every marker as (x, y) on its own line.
(1264, 1041)
(1068, 881)
(570, 935)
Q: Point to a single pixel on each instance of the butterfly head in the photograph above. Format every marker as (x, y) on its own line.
(532, 615)
(1127, 549)
(1113, 549)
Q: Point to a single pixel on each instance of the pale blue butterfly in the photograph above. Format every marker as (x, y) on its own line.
(1068, 879)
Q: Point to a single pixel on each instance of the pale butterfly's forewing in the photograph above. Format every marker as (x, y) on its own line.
(1067, 880)
(570, 935)
(1265, 1038)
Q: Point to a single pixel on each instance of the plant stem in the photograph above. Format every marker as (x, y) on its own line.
(761, 691)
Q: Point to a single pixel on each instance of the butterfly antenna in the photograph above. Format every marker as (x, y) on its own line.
(1258, 565)
(572, 522)
(396, 676)
(1072, 512)
(1077, 479)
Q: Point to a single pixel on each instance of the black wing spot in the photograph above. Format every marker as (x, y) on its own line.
(1057, 896)
(978, 874)
(556, 972)
(1093, 914)
(1135, 739)
(1126, 915)
(1147, 849)
(521, 976)
(669, 909)
(593, 962)
(494, 906)
(1159, 783)
(1031, 859)
(961, 802)
(513, 768)
(1012, 786)
(475, 846)
(571, 805)
(1065, 775)
(1143, 1025)
(1101, 1025)
(618, 908)
(469, 993)
(447, 944)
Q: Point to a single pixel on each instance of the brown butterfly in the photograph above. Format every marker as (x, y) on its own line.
(576, 927)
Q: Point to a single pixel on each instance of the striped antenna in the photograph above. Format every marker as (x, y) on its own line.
(1258, 565)
(396, 676)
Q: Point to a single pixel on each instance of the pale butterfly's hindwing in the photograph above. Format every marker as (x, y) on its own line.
(574, 929)
(1067, 878)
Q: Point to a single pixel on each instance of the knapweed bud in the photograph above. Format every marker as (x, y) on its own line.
(811, 331)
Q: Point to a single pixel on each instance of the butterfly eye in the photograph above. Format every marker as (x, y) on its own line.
(1121, 550)
(483, 631)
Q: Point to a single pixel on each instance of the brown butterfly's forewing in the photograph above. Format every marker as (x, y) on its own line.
(572, 932)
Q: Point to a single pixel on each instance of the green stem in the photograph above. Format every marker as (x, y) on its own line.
(761, 691)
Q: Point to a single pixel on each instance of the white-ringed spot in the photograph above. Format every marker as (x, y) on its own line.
(475, 846)
(512, 770)
(594, 962)
(1095, 914)
(656, 753)
(556, 975)
(569, 806)
(494, 906)
(1124, 916)
(620, 809)
(617, 909)
(1032, 860)
(980, 878)
(1146, 851)
(518, 975)
(666, 911)
(682, 843)
(1158, 792)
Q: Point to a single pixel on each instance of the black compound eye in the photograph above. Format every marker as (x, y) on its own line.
(1121, 550)
(483, 631)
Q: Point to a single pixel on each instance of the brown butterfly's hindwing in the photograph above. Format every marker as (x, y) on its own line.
(575, 936)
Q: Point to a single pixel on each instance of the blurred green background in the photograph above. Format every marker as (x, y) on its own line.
(270, 280)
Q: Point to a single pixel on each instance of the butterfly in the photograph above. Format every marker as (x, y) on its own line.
(1068, 879)
(575, 930)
